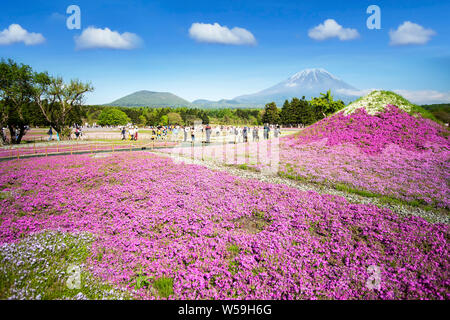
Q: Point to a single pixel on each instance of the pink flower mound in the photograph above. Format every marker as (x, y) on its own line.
(391, 154)
(180, 221)
(372, 133)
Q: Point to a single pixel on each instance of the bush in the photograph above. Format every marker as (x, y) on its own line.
(113, 117)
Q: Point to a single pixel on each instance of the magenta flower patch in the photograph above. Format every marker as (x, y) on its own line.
(219, 236)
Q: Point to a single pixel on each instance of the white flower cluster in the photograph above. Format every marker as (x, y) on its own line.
(376, 101)
(34, 265)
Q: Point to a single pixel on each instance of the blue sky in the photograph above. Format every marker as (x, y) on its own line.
(169, 58)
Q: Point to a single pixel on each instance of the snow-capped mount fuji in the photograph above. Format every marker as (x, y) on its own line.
(309, 83)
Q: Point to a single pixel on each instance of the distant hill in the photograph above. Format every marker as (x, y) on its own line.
(146, 98)
(224, 103)
(440, 111)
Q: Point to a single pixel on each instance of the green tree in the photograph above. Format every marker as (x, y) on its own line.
(16, 83)
(271, 114)
(113, 117)
(142, 120)
(286, 113)
(174, 118)
(326, 105)
(58, 100)
(164, 120)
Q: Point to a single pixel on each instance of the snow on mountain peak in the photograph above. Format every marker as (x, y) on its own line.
(309, 75)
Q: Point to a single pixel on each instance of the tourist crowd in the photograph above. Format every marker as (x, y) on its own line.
(206, 133)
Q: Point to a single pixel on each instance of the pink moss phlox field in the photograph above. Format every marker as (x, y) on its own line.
(392, 153)
(220, 236)
(82, 147)
(372, 133)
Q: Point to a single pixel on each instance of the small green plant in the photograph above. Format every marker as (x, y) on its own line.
(233, 267)
(233, 249)
(258, 214)
(164, 286)
(142, 281)
(243, 166)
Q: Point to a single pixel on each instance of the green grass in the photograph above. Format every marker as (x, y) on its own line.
(349, 189)
(164, 286)
(233, 249)
(424, 113)
(37, 268)
(243, 166)
(364, 193)
(233, 267)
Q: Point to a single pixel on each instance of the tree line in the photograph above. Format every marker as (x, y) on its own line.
(302, 111)
(295, 112)
(150, 116)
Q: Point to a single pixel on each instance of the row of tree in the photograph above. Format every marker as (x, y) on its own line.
(28, 97)
(301, 111)
(297, 111)
(107, 116)
(143, 116)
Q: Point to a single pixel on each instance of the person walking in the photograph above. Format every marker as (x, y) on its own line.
(217, 131)
(266, 131)
(208, 133)
(136, 129)
(174, 136)
(192, 134)
(124, 132)
(50, 134)
(255, 134)
(4, 133)
(245, 134)
(186, 131)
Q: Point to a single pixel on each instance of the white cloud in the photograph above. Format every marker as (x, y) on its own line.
(15, 33)
(92, 38)
(410, 33)
(425, 96)
(331, 29)
(215, 33)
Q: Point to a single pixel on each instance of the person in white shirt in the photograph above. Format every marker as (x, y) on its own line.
(131, 133)
(186, 132)
(217, 131)
(240, 137)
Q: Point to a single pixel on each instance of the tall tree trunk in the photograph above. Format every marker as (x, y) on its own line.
(12, 132)
(21, 134)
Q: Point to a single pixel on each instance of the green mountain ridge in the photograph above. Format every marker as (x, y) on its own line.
(146, 98)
